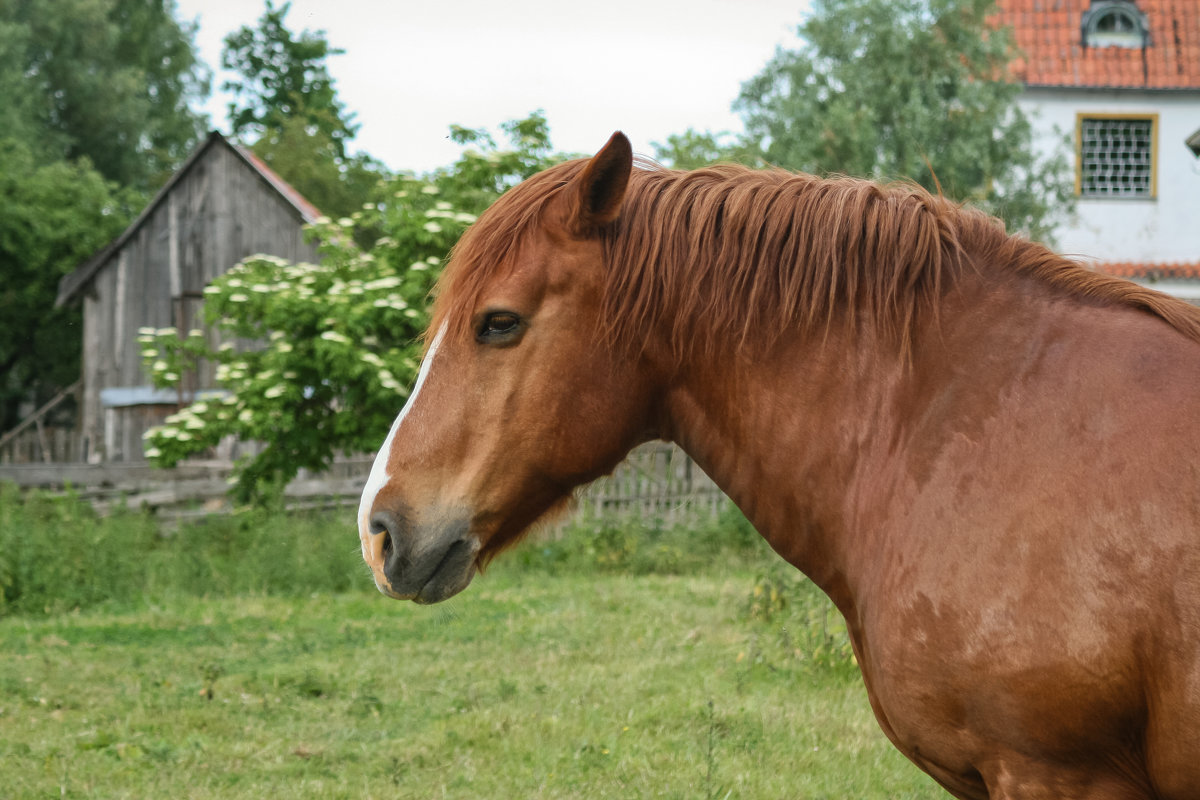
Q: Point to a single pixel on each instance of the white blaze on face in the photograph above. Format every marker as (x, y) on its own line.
(379, 475)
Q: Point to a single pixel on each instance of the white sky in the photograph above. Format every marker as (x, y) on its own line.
(413, 67)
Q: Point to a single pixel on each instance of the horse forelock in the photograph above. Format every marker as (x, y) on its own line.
(727, 252)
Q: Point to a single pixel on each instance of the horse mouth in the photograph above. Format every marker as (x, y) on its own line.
(452, 574)
(434, 576)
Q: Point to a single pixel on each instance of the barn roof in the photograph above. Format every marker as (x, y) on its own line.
(73, 284)
(1050, 34)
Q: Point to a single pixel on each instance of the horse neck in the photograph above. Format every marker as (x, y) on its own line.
(780, 433)
(812, 438)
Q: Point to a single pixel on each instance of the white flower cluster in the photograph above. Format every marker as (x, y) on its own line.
(283, 276)
(233, 371)
(388, 381)
(346, 287)
(185, 424)
(386, 377)
(391, 301)
(421, 266)
(149, 335)
(268, 298)
(162, 371)
(389, 282)
(443, 210)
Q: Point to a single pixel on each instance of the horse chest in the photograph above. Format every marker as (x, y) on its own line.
(957, 692)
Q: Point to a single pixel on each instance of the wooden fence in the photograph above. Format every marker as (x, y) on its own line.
(657, 482)
(43, 444)
(34, 440)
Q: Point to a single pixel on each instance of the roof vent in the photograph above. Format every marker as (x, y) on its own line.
(1193, 143)
(1115, 23)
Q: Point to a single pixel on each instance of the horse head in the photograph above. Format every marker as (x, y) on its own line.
(518, 400)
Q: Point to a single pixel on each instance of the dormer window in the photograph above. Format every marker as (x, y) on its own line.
(1114, 23)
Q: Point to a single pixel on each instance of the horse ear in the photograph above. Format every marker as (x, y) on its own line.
(600, 188)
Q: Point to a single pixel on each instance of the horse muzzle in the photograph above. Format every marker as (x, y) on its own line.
(422, 563)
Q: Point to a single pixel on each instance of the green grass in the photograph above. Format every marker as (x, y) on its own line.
(567, 671)
(57, 555)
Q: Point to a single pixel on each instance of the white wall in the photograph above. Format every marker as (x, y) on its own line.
(1165, 229)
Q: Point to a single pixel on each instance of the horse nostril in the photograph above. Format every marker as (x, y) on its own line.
(386, 524)
(379, 522)
(387, 547)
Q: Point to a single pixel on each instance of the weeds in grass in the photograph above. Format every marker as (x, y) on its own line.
(711, 789)
(57, 555)
(645, 547)
(555, 682)
(804, 624)
(211, 672)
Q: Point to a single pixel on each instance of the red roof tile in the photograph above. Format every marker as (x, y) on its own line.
(1050, 36)
(1151, 271)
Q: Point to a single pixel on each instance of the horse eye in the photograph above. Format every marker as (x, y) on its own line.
(498, 325)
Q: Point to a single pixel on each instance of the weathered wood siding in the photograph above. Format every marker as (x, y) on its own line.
(218, 212)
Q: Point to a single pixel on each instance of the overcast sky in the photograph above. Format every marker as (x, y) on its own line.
(414, 67)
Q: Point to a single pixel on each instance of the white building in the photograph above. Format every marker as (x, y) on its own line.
(1116, 83)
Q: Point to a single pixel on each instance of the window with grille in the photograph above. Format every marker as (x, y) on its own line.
(1116, 156)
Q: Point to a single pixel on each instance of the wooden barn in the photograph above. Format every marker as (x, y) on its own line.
(223, 205)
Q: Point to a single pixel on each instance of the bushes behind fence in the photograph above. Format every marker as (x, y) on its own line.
(57, 554)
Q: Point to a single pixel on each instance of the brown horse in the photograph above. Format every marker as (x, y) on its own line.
(987, 456)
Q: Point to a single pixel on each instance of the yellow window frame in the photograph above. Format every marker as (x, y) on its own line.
(1152, 118)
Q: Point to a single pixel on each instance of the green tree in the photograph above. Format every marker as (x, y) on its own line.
(693, 149)
(485, 171)
(111, 81)
(19, 102)
(94, 115)
(339, 340)
(53, 217)
(309, 160)
(283, 76)
(286, 104)
(916, 89)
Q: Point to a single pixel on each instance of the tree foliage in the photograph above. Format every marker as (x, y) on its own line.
(286, 105)
(94, 115)
(55, 215)
(111, 81)
(916, 89)
(339, 341)
(283, 76)
(485, 171)
(693, 149)
(308, 159)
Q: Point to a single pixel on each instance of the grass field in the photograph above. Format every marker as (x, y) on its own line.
(567, 671)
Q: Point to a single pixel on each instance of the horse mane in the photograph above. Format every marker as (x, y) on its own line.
(758, 254)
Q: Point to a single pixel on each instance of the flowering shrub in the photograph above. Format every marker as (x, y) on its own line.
(314, 359)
